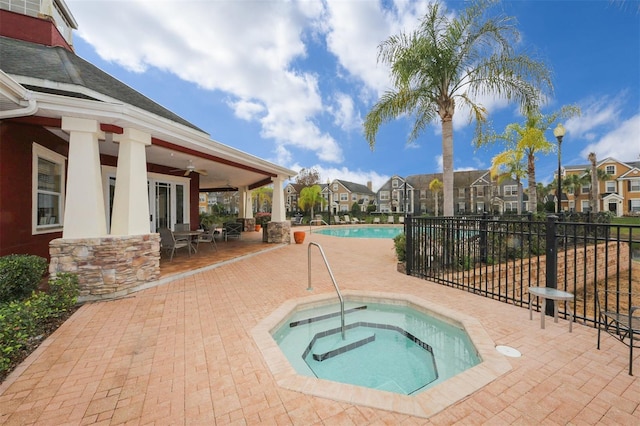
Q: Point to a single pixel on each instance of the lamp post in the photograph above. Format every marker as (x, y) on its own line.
(329, 201)
(558, 132)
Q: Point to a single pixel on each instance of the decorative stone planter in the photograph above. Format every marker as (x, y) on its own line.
(298, 237)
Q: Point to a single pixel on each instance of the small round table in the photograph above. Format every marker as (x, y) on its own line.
(555, 295)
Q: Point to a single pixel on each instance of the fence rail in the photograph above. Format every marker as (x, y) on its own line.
(500, 259)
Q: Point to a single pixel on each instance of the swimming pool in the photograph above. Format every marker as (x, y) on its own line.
(425, 403)
(388, 347)
(361, 231)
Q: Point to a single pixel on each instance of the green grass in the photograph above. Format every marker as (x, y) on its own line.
(626, 220)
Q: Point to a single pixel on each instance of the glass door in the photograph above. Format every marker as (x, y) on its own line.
(162, 214)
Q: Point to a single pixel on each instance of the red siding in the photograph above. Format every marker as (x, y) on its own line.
(28, 28)
(15, 188)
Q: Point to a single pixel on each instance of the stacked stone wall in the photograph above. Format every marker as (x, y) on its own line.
(108, 266)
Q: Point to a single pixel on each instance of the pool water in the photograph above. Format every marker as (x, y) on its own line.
(361, 231)
(386, 347)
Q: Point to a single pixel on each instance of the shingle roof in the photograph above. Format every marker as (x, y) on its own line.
(56, 64)
(356, 187)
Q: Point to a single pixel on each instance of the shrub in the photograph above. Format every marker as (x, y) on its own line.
(23, 321)
(20, 275)
(400, 243)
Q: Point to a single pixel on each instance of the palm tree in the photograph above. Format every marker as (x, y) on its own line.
(454, 58)
(436, 187)
(572, 183)
(309, 197)
(509, 165)
(530, 138)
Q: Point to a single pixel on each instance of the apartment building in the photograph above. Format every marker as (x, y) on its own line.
(618, 189)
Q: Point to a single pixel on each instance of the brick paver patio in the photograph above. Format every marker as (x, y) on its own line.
(183, 353)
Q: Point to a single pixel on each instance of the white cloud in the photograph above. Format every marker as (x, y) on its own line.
(343, 173)
(622, 143)
(344, 113)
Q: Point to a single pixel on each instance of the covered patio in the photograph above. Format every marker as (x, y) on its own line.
(184, 353)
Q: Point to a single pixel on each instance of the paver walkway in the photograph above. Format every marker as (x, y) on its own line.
(182, 353)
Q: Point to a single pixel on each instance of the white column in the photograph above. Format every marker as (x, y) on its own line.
(130, 214)
(242, 201)
(278, 212)
(84, 212)
(248, 211)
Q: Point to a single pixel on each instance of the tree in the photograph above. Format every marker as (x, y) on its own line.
(436, 187)
(454, 58)
(309, 197)
(509, 165)
(530, 138)
(594, 183)
(308, 177)
(263, 197)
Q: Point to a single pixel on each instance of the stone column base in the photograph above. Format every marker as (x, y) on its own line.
(110, 266)
(278, 232)
(248, 223)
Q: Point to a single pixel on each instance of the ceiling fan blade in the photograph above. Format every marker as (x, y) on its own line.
(187, 172)
(202, 172)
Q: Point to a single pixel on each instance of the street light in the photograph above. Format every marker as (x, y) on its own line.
(329, 201)
(558, 132)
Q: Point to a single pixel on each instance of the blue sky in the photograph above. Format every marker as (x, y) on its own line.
(291, 81)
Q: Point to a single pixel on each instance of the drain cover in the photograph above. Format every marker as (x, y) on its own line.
(508, 351)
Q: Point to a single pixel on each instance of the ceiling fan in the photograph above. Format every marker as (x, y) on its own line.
(191, 168)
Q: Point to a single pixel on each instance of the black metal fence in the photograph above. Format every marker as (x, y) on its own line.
(500, 258)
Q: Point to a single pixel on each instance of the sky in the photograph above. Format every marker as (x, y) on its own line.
(292, 81)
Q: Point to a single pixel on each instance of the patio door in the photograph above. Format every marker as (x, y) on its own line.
(169, 204)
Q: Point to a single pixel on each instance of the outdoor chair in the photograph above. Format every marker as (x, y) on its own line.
(391, 219)
(232, 230)
(168, 242)
(622, 324)
(182, 227)
(337, 220)
(296, 220)
(376, 220)
(401, 219)
(208, 237)
(347, 219)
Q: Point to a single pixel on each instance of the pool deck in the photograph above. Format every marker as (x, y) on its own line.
(184, 353)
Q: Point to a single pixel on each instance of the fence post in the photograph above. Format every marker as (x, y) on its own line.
(408, 239)
(552, 259)
(483, 237)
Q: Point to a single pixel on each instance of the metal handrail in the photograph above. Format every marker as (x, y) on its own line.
(335, 284)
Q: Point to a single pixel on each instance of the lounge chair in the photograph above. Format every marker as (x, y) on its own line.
(232, 230)
(376, 220)
(391, 219)
(337, 220)
(355, 221)
(347, 219)
(401, 219)
(623, 325)
(169, 243)
(296, 220)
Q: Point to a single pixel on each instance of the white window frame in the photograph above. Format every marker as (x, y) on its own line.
(354, 197)
(585, 189)
(344, 196)
(613, 186)
(39, 151)
(636, 187)
(612, 168)
(394, 183)
(384, 195)
(480, 191)
(585, 206)
(510, 190)
(635, 205)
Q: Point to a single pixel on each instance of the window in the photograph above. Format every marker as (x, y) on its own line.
(461, 192)
(634, 185)
(354, 197)
(394, 183)
(480, 191)
(461, 206)
(423, 193)
(384, 195)
(570, 190)
(610, 186)
(344, 196)
(572, 206)
(510, 190)
(634, 206)
(48, 190)
(584, 189)
(585, 206)
(480, 207)
(610, 170)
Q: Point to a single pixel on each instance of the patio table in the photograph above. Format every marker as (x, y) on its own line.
(555, 295)
(192, 236)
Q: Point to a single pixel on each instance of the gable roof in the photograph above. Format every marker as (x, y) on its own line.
(355, 187)
(55, 70)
